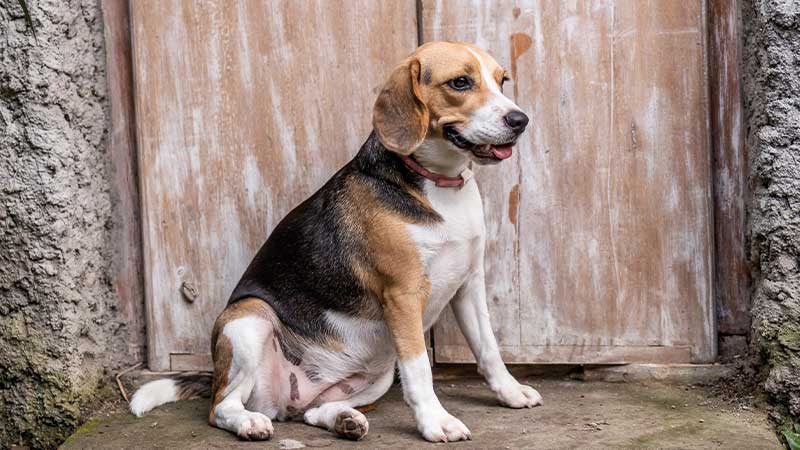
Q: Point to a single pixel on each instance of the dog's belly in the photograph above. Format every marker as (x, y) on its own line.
(362, 352)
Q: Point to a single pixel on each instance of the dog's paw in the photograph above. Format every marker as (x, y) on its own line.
(351, 425)
(442, 427)
(518, 395)
(254, 427)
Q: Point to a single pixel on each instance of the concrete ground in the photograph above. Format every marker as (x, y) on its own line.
(576, 414)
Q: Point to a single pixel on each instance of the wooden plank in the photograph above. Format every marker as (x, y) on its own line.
(571, 354)
(243, 111)
(660, 182)
(191, 361)
(730, 167)
(613, 222)
(567, 79)
(126, 260)
(499, 184)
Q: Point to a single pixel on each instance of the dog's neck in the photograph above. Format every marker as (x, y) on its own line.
(438, 156)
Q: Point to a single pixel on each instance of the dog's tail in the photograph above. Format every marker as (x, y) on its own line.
(166, 390)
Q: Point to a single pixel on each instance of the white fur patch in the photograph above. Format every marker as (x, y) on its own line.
(417, 381)
(435, 424)
(368, 344)
(247, 336)
(450, 250)
(152, 394)
(487, 124)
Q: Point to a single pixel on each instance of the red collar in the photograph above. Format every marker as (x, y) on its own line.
(439, 179)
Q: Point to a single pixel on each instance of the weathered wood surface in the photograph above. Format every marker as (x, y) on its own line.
(572, 354)
(599, 229)
(127, 256)
(499, 184)
(730, 167)
(243, 110)
(611, 220)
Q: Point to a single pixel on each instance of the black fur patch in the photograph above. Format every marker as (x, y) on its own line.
(191, 385)
(304, 268)
(292, 353)
(294, 391)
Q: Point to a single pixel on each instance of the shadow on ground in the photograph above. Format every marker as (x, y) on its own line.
(575, 415)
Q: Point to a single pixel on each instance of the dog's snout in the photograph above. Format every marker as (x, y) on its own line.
(517, 121)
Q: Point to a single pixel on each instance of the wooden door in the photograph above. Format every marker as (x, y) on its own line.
(599, 245)
(243, 110)
(599, 229)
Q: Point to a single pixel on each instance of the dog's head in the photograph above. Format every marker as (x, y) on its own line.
(450, 91)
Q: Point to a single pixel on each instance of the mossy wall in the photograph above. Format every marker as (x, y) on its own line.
(772, 101)
(61, 331)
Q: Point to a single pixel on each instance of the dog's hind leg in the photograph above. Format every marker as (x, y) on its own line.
(238, 357)
(342, 418)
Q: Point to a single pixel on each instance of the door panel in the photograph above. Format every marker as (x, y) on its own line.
(598, 229)
(605, 208)
(243, 110)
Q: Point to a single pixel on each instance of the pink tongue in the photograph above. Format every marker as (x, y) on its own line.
(501, 152)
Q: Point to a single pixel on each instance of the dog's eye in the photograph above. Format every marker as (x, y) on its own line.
(460, 83)
(503, 81)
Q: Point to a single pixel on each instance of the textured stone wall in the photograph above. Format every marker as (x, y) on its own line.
(772, 93)
(61, 332)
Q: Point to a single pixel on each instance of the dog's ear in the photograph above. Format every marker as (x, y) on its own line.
(400, 117)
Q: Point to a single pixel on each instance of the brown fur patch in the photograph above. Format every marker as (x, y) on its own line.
(222, 353)
(446, 61)
(403, 307)
(399, 116)
(385, 240)
(394, 272)
(416, 101)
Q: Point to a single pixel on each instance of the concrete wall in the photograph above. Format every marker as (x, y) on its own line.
(61, 332)
(772, 97)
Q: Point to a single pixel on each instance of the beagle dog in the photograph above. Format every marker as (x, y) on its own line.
(346, 285)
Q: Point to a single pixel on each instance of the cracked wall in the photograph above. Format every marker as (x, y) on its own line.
(61, 330)
(772, 101)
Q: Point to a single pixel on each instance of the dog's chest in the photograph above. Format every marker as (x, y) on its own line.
(449, 250)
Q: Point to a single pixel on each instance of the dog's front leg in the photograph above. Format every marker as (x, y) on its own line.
(472, 314)
(403, 309)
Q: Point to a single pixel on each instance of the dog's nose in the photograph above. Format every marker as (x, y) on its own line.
(516, 120)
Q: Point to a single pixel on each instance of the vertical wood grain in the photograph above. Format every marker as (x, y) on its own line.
(243, 110)
(613, 222)
(662, 176)
(127, 258)
(485, 26)
(730, 167)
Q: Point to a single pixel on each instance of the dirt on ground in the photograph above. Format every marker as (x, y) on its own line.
(576, 414)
